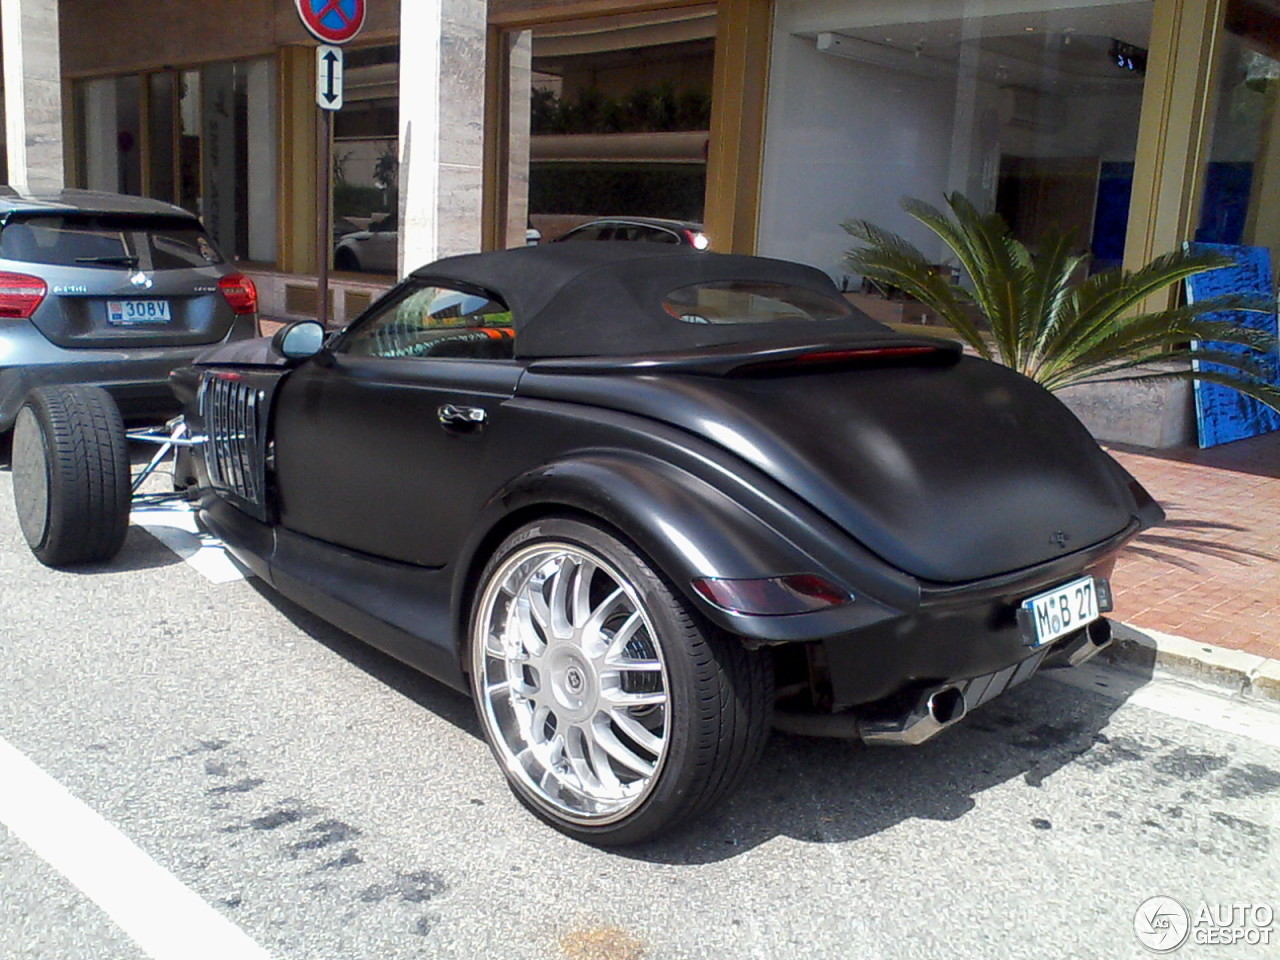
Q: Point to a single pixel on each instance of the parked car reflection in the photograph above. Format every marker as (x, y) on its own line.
(374, 249)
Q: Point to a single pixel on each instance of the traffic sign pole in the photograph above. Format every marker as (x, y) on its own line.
(331, 22)
(329, 64)
(324, 214)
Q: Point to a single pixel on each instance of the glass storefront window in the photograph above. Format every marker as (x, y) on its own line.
(616, 120)
(163, 148)
(366, 162)
(204, 139)
(1241, 200)
(1033, 114)
(110, 131)
(188, 130)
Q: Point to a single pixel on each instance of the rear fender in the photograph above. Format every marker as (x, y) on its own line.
(682, 524)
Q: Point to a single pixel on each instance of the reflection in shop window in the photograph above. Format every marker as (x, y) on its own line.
(1242, 179)
(619, 114)
(366, 163)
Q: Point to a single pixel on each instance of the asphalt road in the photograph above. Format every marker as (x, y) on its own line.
(330, 803)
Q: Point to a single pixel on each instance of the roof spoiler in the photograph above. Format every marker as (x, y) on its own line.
(749, 360)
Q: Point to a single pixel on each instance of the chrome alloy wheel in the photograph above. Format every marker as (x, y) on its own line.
(572, 682)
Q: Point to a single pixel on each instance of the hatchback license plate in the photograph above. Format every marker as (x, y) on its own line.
(125, 312)
(1062, 610)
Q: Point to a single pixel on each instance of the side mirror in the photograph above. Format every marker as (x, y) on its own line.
(299, 340)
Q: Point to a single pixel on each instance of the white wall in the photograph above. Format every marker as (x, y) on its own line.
(847, 140)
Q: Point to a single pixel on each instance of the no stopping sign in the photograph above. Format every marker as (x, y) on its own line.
(332, 21)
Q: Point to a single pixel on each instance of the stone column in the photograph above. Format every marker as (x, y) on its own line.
(442, 64)
(32, 94)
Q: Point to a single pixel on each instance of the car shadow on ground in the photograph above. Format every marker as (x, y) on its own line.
(141, 551)
(833, 791)
(442, 700)
(822, 790)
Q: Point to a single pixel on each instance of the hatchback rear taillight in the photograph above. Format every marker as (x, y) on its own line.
(20, 294)
(240, 292)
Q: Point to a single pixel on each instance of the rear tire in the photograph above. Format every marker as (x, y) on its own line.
(346, 261)
(615, 711)
(71, 475)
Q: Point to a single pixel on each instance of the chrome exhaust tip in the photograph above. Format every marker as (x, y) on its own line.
(936, 710)
(946, 706)
(1083, 646)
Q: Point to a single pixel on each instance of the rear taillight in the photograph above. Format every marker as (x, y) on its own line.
(773, 596)
(20, 294)
(240, 293)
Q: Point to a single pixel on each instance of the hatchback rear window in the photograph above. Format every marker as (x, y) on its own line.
(747, 301)
(109, 241)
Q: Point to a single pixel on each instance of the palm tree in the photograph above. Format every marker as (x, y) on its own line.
(1047, 323)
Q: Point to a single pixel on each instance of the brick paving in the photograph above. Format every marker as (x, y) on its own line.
(1212, 572)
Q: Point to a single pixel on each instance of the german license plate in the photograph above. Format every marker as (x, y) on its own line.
(1060, 611)
(124, 312)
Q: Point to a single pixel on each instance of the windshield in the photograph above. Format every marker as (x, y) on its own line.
(745, 301)
(108, 241)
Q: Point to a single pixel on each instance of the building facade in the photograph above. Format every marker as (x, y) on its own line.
(1134, 124)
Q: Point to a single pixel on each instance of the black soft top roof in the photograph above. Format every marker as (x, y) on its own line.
(605, 299)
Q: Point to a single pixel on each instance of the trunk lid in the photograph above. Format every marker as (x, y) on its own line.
(950, 472)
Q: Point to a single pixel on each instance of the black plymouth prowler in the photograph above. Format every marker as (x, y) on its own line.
(643, 503)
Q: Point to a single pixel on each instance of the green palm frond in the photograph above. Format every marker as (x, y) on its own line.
(889, 259)
(1043, 320)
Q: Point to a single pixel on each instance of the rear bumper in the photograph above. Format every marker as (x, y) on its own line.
(955, 636)
(917, 714)
(138, 377)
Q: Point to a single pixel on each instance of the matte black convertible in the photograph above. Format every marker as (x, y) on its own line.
(644, 504)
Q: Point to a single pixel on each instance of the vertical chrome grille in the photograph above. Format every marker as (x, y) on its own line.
(233, 451)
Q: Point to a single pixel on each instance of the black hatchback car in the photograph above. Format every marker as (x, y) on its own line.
(110, 289)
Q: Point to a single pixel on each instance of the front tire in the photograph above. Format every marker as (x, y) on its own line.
(71, 475)
(615, 712)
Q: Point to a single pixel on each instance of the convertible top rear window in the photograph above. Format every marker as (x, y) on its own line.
(749, 301)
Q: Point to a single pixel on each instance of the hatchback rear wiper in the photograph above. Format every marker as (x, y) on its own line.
(123, 260)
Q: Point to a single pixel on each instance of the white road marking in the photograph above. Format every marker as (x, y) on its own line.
(1174, 698)
(166, 919)
(174, 525)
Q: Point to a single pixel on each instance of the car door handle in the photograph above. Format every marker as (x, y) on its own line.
(454, 416)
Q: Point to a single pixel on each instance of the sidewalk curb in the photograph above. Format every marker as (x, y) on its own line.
(1245, 675)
